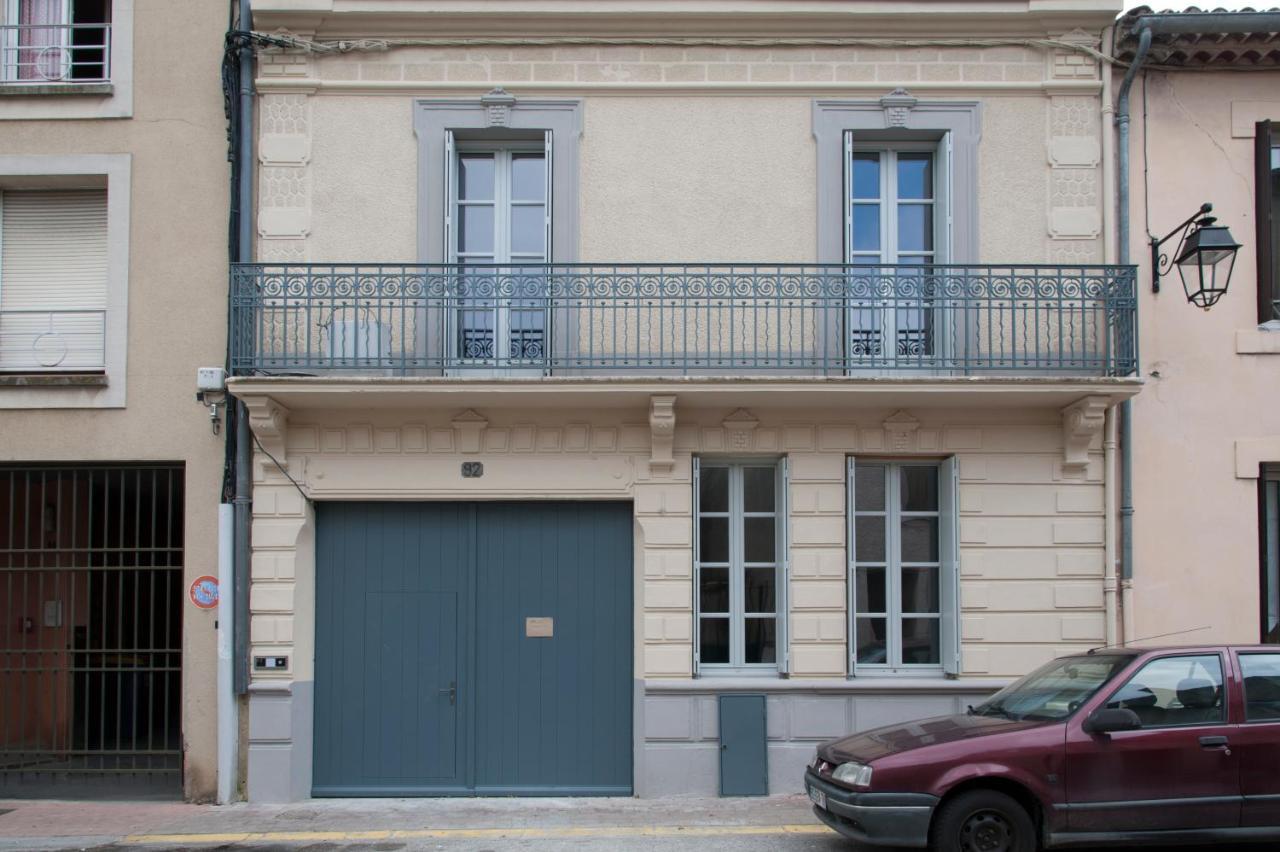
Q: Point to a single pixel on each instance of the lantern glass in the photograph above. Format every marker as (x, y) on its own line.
(1205, 264)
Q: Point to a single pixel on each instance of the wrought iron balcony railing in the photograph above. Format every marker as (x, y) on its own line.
(55, 54)
(662, 319)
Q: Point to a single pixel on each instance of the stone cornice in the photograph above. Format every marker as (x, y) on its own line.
(682, 18)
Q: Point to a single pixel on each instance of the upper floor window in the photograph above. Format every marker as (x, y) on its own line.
(53, 280)
(895, 214)
(500, 215)
(1267, 202)
(740, 580)
(56, 41)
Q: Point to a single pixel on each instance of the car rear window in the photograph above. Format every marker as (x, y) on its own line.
(1261, 687)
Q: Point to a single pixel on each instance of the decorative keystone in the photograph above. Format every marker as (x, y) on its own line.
(497, 107)
(897, 105)
(1081, 422)
(468, 427)
(662, 433)
(900, 431)
(269, 421)
(739, 427)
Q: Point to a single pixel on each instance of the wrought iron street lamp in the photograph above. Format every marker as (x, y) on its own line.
(1205, 257)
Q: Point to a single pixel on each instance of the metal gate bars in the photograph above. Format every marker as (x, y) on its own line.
(90, 629)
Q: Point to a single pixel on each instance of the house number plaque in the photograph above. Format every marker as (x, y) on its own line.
(539, 628)
(472, 470)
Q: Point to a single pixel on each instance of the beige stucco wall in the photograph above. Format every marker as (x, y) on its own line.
(1031, 531)
(1210, 412)
(177, 307)
(687, 154)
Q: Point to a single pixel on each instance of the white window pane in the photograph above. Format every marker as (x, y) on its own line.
(871, 640)
(868, 491)
(713, 495)
(758, 589)
(528, 229)
(918, 485)
(869, 593)
(915, 227)
(914, 259)
(920, 540)
(866, 174)
(866, 227)
(714, 645)
(475, 177)
(475, 331)
(475, 229)
(920, 590)
(714, 590)
(760, 542)
(869, 532)
(713, 540)
(528, 177)
(761, 640)
(921, 640)
(757, 488)
(526, 333)
(915, 176)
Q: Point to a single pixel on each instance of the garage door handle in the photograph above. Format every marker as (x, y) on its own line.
(453, 692)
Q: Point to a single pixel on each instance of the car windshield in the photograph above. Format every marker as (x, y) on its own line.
(1053, 691)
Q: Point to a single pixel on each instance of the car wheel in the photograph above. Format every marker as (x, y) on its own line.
(982, 821)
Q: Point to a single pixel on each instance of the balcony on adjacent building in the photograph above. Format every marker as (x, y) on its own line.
(691, 320)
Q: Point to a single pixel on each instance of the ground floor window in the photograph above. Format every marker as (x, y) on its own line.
(740, 558)
(1269, 523)
(903, 584)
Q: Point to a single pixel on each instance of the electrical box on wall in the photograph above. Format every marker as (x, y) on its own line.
(210, 379)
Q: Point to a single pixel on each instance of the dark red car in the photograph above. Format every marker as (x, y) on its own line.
(1161, 747)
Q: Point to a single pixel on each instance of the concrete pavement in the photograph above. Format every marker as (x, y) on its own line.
(781, 823)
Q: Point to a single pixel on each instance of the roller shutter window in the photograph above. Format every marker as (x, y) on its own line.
(53, 280)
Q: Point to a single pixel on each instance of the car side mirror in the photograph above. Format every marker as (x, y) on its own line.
(1111, 719)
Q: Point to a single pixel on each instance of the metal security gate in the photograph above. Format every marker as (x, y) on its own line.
(90, 630)
(473, 649)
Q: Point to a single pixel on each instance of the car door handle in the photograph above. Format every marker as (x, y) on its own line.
(1215, 742)
(453, 692)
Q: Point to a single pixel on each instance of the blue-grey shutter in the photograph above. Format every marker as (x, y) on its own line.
(697, 623)
(949, 532)
(450, 196)
(851, 588)
(783, 504)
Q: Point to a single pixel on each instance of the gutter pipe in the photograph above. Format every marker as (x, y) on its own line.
(1147, 26)
(244, 450)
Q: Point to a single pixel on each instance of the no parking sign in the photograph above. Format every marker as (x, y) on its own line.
(204, 592)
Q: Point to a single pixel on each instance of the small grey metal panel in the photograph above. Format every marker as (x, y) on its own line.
(744, 753)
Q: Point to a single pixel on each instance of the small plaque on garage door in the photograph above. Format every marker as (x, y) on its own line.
(539, 628)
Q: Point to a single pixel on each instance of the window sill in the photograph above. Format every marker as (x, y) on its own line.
(834, 685)
(64, 89)
(1263, 340)
(53, 380)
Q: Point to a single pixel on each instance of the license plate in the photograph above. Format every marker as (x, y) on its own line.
(818, 797)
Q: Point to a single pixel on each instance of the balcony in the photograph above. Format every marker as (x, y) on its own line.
(53, 57)
(665, 320)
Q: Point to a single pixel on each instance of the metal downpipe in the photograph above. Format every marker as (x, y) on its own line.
(244, 449)
(1126, 407)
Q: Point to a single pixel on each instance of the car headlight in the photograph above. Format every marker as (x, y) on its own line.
(857, 774)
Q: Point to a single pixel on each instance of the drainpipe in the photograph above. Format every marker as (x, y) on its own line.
(244, 450)
(1109, 584)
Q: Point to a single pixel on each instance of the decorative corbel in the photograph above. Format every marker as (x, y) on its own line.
(900, 431)
(497, 107)
(662, 433)
(738, 428)
(1081, 422)
(468, 428)
(897, 105)
(269, 421)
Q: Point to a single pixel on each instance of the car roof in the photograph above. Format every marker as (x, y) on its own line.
(1162, 649)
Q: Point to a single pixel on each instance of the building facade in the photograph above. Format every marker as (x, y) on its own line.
(1207, 428)
(605, 364)
(113, 200)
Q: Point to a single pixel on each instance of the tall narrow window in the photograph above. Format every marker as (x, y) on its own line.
(895, 215)
(1269, 523)
(902, 567)
(1267, 204)
(740, 577)
(501, 224)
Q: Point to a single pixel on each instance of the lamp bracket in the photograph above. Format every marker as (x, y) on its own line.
(1162, 262)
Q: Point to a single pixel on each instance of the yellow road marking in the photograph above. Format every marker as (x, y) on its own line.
(479, 833)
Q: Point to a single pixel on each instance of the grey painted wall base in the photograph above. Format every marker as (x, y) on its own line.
(280, 741)
(681, 736)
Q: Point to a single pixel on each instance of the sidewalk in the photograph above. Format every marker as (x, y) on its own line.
(392, 824)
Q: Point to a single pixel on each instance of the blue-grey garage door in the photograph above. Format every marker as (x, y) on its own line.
(473, 649)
